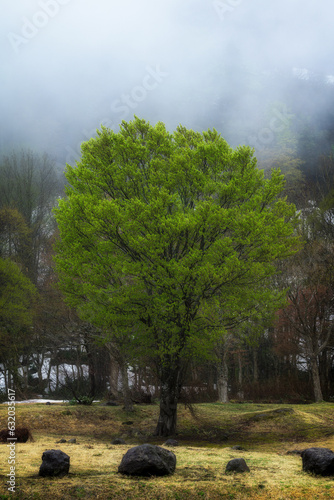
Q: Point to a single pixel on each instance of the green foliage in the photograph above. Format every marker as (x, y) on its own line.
(14, 235)
(81, 400)
(16, 297)
(168, 239)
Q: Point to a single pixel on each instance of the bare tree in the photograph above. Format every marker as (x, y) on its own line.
(30, 184)
(309, 316)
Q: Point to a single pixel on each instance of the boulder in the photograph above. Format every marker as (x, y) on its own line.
(171, 442)
(318, 461)
(54, 463)
(118, 441)
(148, 460)
(237, 465)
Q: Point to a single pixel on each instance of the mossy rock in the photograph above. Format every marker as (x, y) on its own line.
(268, 415)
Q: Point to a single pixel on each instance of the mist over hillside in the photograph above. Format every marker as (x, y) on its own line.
(249, 69)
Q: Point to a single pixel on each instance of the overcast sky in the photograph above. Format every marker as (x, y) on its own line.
(70, 65)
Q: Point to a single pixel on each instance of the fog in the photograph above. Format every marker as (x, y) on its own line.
(69, 66)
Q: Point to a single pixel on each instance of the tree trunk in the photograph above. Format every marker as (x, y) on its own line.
(114, 357)
(49, 375)
(92, 378)
(113, 378)
(255, 366)
(57, 376)
(14, 379)
(25, 372)
(128, 405)
(324, 372)
(16, 382)
(6, 377)
(171, 383)
(316, 380)
(39, 363)
(91, 369)
(222, 378)
(240, 393)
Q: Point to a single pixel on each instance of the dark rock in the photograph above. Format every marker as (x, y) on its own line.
(141, 397)
(61, 441)
(22, 434)
(267, 415)
(238, 447)
(72, 441)
(148, 460)
(284, 411)
(54, 463)
(171, 442)
(118, 441)
(48, 403)
(237, 465)
(318, 461)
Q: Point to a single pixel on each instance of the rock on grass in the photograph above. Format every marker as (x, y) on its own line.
(237, 465)
(148, 460)
(318, 461)
(54, 463)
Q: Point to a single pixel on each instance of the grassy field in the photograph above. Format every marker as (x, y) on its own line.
(206, 436)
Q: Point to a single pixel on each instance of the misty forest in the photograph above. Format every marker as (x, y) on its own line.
(167, 202)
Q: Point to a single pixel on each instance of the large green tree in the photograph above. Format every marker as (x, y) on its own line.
(168, 239)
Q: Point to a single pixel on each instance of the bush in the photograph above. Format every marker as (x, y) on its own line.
(81, 400)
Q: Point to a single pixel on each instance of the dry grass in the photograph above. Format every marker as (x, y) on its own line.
(200, 471)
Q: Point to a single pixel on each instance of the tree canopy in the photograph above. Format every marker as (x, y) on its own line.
(169, 239)
(17, 298)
